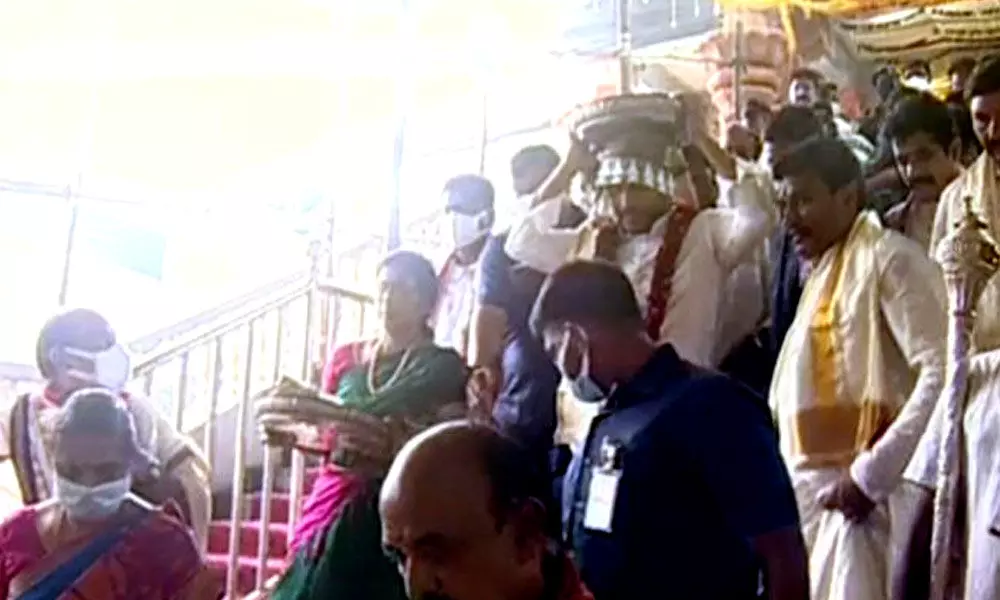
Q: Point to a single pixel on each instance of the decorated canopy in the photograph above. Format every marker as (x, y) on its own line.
(834, 8)
(935, 33)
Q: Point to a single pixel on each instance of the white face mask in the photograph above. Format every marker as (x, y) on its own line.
(112, 367)
(918, 82)
(583, 385)
(86, 503)
(468, 229)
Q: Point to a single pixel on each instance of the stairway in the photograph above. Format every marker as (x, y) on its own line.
(218, 542)
(278, 538)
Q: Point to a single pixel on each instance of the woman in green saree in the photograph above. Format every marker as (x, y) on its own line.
(409, 383)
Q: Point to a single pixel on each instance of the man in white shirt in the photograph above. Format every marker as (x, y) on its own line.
(922, 134)
(469, 204)
(806, 89)
(976, 540)
(747, 292)
(859, 371)
(655, 226)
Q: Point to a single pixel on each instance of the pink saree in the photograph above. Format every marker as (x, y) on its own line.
(334, 485)
(156, 559)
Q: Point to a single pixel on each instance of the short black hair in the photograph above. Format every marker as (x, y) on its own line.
(918, 65)
(920, 113)
(808, 74)
(586, 291)
(103, 413)
(884, 71)
(966, 63)
(823, 106)
(537, 156)
(418, 270)
(962, 118)
(469, 194)
(755, 107)
(792, 125)
(531, 166)
(900, 94)
(828, 158)
(77, 328)
(985, 79)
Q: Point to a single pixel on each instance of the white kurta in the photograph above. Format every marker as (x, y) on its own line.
(890, 352)
(717, 241)
(747, 297)
(454, 310)
(981, 182)
(981, 436)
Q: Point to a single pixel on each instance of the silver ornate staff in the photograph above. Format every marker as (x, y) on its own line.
(969, 257)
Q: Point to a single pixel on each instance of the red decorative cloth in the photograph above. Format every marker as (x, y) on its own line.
(663, 272)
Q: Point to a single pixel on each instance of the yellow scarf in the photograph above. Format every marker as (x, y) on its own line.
(829, 390)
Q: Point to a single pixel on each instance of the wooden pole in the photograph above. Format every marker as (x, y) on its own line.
(404, 89)
(67, 267)
(625, 46)
(484, 131)
(738, 68)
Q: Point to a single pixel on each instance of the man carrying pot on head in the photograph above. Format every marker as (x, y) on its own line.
(651, 199)
(78, 349)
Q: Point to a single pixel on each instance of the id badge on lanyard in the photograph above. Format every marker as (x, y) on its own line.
(603, 490)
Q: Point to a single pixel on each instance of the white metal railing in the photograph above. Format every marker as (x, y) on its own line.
(287, 334)
(200, 375)
(211, 365)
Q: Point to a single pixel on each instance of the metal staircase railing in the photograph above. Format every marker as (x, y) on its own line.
(213, 363)
(199, 375)
(215, 370)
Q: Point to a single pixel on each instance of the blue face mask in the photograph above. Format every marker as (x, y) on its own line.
(86, 503)
(583, 385)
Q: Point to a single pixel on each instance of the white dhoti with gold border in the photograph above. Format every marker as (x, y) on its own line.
(855, 385)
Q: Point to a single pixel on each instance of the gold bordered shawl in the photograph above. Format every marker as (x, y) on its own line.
(829, 391)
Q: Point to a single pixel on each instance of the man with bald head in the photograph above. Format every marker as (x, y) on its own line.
(463, 515)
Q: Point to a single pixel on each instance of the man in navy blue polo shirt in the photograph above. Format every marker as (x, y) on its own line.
(680, 491)
(512, 376)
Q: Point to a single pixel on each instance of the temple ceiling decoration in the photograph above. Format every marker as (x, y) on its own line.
(933, 33)
(832, 8)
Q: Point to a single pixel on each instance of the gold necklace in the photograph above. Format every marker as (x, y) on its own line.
(373, 365)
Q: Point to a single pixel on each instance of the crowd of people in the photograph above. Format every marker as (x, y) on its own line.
(756, 340)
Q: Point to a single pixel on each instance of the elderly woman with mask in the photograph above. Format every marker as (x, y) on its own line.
(406, 382)
(78, 349)
(94, 538)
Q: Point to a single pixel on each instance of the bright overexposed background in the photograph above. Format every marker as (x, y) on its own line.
(211, 138)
